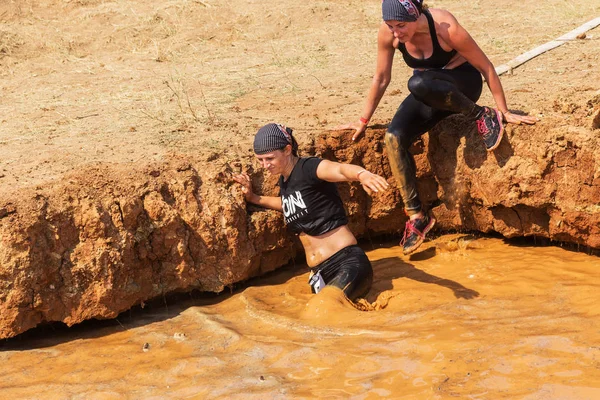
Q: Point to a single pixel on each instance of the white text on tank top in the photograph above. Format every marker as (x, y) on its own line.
(293, 207)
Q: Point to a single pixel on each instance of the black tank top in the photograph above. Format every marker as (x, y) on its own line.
(310, 205)
(439, 58)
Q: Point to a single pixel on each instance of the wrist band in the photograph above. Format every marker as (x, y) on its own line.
(363, 120)
(360, 172)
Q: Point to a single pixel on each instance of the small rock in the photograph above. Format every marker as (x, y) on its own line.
(213, 156)
(581, 36)
(146, 347)
(179, 336)
(184, 166)
(262, 378)
(596, 120)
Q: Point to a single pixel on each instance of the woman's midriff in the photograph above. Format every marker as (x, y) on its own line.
(320, 248)
(456, 61)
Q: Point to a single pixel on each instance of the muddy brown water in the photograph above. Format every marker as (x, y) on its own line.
(475, 318)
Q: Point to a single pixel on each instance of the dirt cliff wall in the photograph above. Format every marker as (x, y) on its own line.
(109, 237)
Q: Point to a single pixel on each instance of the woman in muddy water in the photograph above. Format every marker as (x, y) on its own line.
(313, 209)
(448, 66)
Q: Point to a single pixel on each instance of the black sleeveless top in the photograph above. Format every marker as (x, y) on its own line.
(310, 205)
(439, 58)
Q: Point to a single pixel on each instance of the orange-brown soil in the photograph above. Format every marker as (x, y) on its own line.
(122, 122)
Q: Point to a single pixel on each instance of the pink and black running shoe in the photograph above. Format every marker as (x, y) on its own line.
(414, 233)
(490, 128)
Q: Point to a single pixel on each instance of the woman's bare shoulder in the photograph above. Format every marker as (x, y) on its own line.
(445, 23)
(440, 15)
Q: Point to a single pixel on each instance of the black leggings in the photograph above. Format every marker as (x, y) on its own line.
(435, 94)
(349, 269)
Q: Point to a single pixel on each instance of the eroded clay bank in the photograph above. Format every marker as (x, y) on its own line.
(109, 237)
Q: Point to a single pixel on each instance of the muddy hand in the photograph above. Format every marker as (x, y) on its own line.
(244, 180)
(359, 127)
(373, 182)
(518, 119)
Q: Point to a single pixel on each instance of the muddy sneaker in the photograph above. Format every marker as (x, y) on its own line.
(490, 128)
(414, 233)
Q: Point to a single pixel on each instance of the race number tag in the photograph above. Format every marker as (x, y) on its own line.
(316, 282)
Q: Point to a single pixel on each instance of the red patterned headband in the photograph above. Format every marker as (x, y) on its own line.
(283, 129)
(410, 8)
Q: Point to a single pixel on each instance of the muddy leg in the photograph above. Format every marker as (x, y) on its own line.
(404, 170)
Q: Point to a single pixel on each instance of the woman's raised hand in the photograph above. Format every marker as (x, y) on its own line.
(359, 127)
(244, 180)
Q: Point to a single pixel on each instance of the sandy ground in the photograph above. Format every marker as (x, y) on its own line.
(128, 82)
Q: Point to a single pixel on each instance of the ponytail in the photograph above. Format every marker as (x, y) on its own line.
(293, 141)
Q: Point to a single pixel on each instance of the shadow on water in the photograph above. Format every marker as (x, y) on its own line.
(387, 270)
(538, 241)
(155, 310)
(279, 276)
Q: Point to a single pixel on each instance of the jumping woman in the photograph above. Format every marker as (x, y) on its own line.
(313, 209)
(448, 66)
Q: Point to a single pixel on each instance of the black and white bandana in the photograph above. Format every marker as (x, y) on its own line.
(273, 137)
(401, 10)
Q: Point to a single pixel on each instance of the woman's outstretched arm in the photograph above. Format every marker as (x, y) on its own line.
(339, 172)
(380, 82)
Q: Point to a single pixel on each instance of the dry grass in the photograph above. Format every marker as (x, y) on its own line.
(9, 43)
(188, 73)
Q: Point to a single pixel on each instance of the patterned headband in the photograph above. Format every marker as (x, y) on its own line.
(273, 137)
(283, 130)
(400, 10)
(410, 8)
